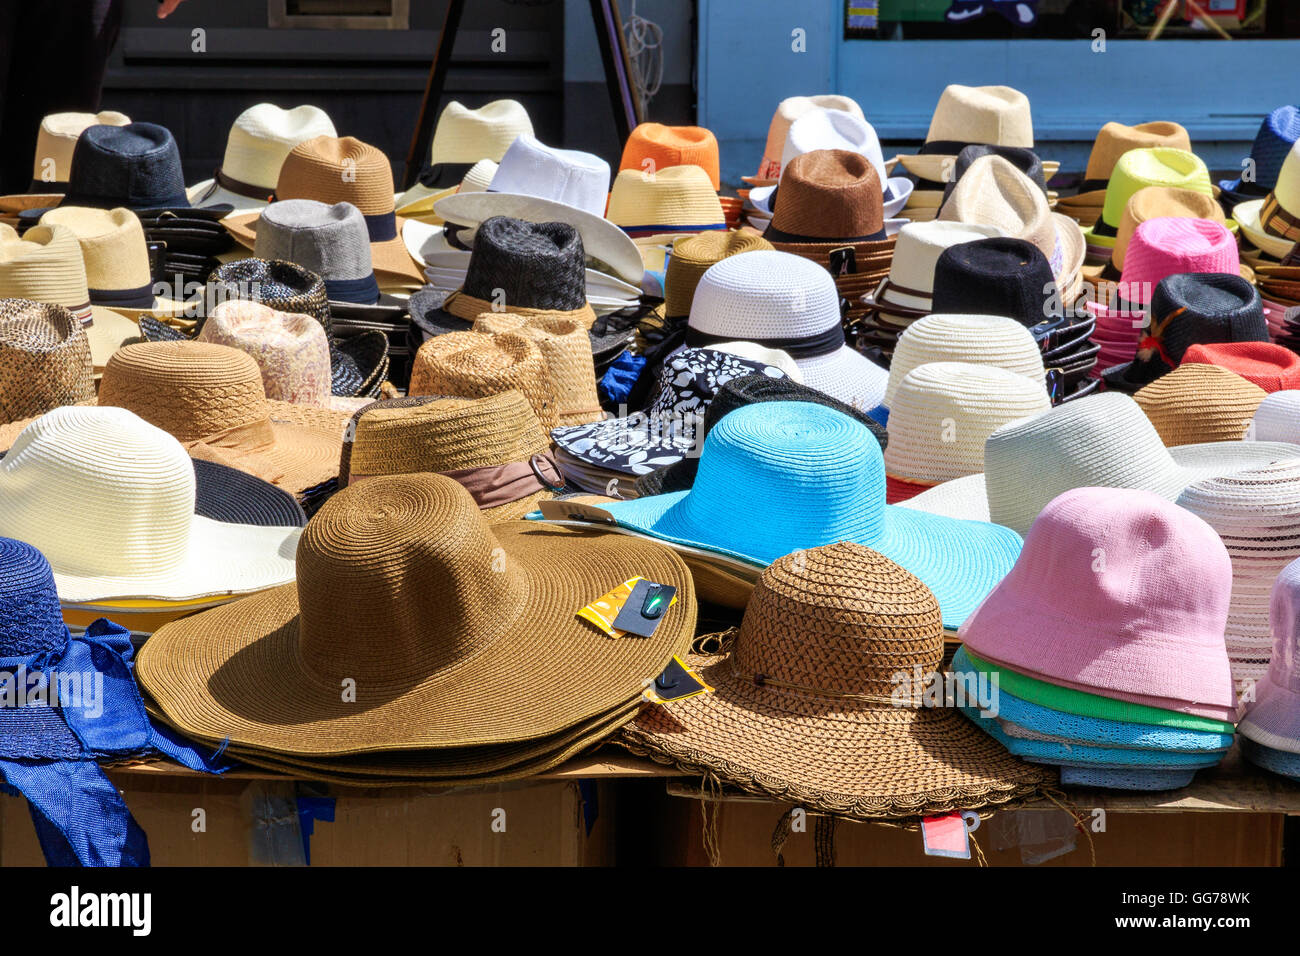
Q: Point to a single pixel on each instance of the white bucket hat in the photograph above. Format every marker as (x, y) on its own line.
(942, 412)
(783, 301)
(1100, 441)
(1272, 224)
(109, 500)
(259, 140)
(56, 140)
(540, 183)
(991, 340)
(787, 111)
(1257, 515)
(1277, 418)
(910, 284)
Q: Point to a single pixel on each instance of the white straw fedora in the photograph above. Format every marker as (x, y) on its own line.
(1101, 441)
(56, 140)
(259, 140)
(417, 202)
(783, 301)
(787, 111)
(910, 284)
(465, 136)
(975, 339)
(1272, 224)
(966, 115)
(109, 500)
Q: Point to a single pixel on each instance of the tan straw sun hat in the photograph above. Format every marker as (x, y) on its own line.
(475, 365)
(807, 705)
(44, 359)
(570, 367)
(455, 662)
(679, 199)
(1113, 141)
(968, 115)
(1200, 403)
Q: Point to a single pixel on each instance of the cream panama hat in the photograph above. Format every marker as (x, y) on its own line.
(540, 183)
(45, 265)
(994, 193)
(906, 293)
(116, 256)
(57, 139)
(464, 136)
(678, 200)
(109, 500)
(787, 111)
(991, 340)
(1272, 224)
(259, 140)
(1101, 441)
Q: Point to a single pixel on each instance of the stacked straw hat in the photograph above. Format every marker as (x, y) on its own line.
(566, 348)
(1102, 441)
(787, 111)
(1272, 224)
(55, 142)
(475, 365)
(1200, 403)
(1272, 367)
(1270, 730)
(1134, 645)
(44, 360)
(940, 416)
(654, 147)
(494, 447)
(448, 671)
(671, 201)
(806, 705)
(1112, 142)
(1135, 170)
(1257, 514)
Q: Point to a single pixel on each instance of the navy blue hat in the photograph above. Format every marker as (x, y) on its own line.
(1277, 135)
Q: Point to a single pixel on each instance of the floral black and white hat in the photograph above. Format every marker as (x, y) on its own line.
(669, 428)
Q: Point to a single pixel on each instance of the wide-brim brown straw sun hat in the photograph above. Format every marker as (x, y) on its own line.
(44, 359)
(570, 365)
(456, 662)
(806, 706)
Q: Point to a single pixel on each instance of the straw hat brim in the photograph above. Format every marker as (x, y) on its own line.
(846, 375)
(208, 192)
(389, 259)
(856, 759)
(15, 203)
(419, 201)
(109, 331)
(231, 496)
(1246, 215)
(237, 671)
(601, 239)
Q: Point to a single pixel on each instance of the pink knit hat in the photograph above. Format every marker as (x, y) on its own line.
(1274, 719)
(1120, 593)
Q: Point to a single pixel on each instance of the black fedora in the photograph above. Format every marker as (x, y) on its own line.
(1191, 308)
(997, 276)
(737, 393)
(514, 265)
(1025, 160)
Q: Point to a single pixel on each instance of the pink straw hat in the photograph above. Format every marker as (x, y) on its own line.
(1120, 593)
(1274, 719)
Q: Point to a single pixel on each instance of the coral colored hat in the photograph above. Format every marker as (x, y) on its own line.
(1273, 368)
(1145, 610)
(664, 146)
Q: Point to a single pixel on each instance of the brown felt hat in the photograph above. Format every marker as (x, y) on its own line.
(44, 359)
(570, 366)
(1198, 403)
(488, 650)
(474, 365)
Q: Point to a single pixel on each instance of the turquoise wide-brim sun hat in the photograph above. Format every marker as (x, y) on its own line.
(779, 477)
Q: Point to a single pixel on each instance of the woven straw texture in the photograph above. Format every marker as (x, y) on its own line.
(570, 367)
(1273, 368)
(262, 136)
(1158, 166)
(113, 247)
(475, 365)
(679, 197)
(1115, 139)
(44, 265)
(828, 194)
(331, 241)
(992, 115)
(917, 250)
(465, 135)
(1161, 202)
(1274, 719)
(1199, 403)
(973, 339)
(787, 111)
(692, 256)
(527, 265)
(666, 146)
(824, 629)
(44, 359)
(456, 662)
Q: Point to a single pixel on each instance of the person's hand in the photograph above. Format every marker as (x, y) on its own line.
(165, 8)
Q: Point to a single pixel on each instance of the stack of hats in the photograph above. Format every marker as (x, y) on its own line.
(1276, 137)
(1270, 730)
(1279, 288)
(353, 676)
(1121, 679)
(787, 112)
(1112, 142)
(1272, 224)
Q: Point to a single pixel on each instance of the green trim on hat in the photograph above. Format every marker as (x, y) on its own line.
(1071, 701)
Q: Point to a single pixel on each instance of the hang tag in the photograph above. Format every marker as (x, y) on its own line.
(603, 611)
(946, 836)
(677, 682)
(843, 261)
(644, 608)
(559, 509)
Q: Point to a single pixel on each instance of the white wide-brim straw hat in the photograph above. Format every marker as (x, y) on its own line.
(1277, 418)
(1247, 216)
(109, 500)
(1100, 441)
(602, 241)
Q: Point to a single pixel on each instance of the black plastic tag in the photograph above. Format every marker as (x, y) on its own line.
(675, 683)
(844, 261)
(644, 608)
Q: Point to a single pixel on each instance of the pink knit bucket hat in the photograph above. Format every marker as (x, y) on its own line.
(1120, 593)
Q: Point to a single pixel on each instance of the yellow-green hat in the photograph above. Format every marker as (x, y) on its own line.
(1137, 169)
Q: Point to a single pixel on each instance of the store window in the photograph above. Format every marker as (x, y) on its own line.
(1069, 19)
(339, 14)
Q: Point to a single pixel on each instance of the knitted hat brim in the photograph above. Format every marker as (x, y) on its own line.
(237, 671)
(857, 759)
(393, 265)
(960, 561)
(1128, 778)
(1281, 762)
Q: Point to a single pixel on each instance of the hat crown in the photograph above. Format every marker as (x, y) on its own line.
(331, 241)
(653, 147)
(976, 339)
(1115, 139)
(1287, 190)
(829, 194)
(44, 359)
(290, 349)
(44, 265)
(1149, 588)
(99, 492)
(473, 365)
(689, 379)
(333, 169)
(999, 276)
(531, 265)
(465, 135)
(822, 129)
(677, 196)
(192, 390)
(789, 110)
(1284, 618)
(841, 619)
(1207, 307)
(566, 176)
(114, 249)
(1167, 246)
(1157, 202)
(814, 474)
(994, 115)
(993, 192)
(137, 165)
(1176, 404)
(693, 255)
(31, 619)
(1277, 419)
(1270, 366)
(1277, 134)
(57, 139)
(399, 578)
(282, 285)
(262, 136)
(765, 294)
(1152, 166)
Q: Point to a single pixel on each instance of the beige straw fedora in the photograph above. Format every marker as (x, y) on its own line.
(55, 141)
(1200, 403)
(494, 446)
(417, 203)
(1113, 141)
(1272, 224)
(456, 662)
(907, 292)
(333, 170)
(671, 201)
(475, 365)
(566, 347)
(807, 704)
(44, 359)
(211, 398)
(45, 265)
(259, 140)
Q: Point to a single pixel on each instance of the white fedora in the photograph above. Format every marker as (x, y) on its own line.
(783, 301)
(259, 140)
(465, 136)
(1272, 224)
(109, 500)
(1100, 441)
(908, 289)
